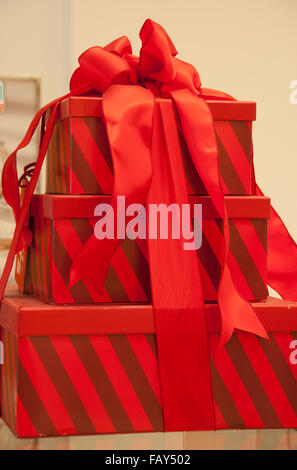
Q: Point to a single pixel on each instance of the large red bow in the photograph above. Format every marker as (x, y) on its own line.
(143, 135)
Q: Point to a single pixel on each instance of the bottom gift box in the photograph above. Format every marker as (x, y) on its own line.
(94, 369)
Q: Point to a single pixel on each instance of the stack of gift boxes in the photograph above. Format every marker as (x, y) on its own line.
(82, 362)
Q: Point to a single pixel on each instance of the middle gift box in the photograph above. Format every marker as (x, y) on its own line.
(61, 226)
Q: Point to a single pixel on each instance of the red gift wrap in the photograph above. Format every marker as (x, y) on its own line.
(61, 225)
(94, 369)
(79, 159)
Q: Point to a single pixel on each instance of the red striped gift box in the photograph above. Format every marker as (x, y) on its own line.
(94, 369)
(135, 441)
(79, 159)
(61, 225)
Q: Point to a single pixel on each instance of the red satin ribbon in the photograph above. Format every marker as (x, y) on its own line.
(177, 294)
(144, 136)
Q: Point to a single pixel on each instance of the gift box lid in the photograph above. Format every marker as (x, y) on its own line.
(24, 315)
(53, 206)
(91, 106)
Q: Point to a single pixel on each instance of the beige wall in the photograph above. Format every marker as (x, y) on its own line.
(245, 47)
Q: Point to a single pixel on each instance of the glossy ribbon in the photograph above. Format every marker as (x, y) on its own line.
(143, 137)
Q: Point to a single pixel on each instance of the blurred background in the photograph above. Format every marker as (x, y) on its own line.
(247, 48)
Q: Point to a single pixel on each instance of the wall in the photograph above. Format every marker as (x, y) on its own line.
(245, 47)
(34, 40)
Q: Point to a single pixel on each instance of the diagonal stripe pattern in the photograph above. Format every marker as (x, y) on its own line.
(55, 385)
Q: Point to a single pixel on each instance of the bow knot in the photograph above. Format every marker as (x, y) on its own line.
(156, 68)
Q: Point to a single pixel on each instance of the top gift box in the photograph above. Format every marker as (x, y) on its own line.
(79, 159)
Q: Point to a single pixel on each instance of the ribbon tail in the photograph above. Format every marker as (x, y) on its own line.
(10, 191)
(10, 187)
(128, 113)
(23, 212)
(211, 94)
(197, 127)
